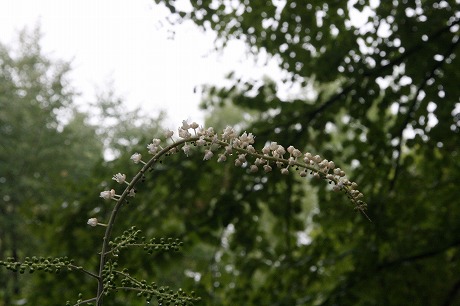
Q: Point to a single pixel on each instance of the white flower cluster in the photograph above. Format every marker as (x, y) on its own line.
(271, 154)
(230, 144)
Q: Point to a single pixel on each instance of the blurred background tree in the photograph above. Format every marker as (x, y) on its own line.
(384, 75)
(46, 149)
(52, 167)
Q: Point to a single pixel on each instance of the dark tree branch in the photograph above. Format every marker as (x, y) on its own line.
(310, 116)
(413, 108)
(452, 296)
(420, 256)
(376, 71)
(414, 49)
(357, 278)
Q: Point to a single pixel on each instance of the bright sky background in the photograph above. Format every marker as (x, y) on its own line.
(122, 41)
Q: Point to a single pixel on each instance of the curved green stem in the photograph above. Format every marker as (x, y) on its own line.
(119, 203)
(210, 140)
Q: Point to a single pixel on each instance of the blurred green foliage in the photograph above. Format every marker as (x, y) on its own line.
(43, 159)
(387, 104)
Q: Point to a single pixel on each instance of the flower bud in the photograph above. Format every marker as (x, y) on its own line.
(92, 222)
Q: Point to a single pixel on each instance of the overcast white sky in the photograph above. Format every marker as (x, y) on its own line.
(122, 41)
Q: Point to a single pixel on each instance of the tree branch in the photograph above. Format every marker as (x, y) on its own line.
(414, 49)
(372, 73)
(452, 295)
(413, 108)
(419, 256)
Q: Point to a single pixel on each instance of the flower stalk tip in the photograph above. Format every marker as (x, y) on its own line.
(137, 158)
(109, 195)
(94, 222)
(119, 178)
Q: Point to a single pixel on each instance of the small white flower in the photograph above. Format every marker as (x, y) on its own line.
(339, 186)
(331, 165)
(183, 133)
(246, 139)
(208, 154)
(107, 194)
(168, 133)
(201, 142)
(259, 161)
(296, 153)
(185, 125)
(228, 149)
(280, 150)
(253, 169)
(323, 163)
(210, 131)
(120, 178)
(267, 168)
(251, 149)
(339, 172)
(222, 158)
(284, 171)
(194, 125)
(132, 193)
(354, 193)
(236, 143)
(266, 150)
(92, 221)
(153, 149)
(136, 158)
(317, 159)
(201, 131)
(186, 149)
(229, 133)
(273, 146)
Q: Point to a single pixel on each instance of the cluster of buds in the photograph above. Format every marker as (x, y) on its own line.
(230, 143)
(54, 265)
